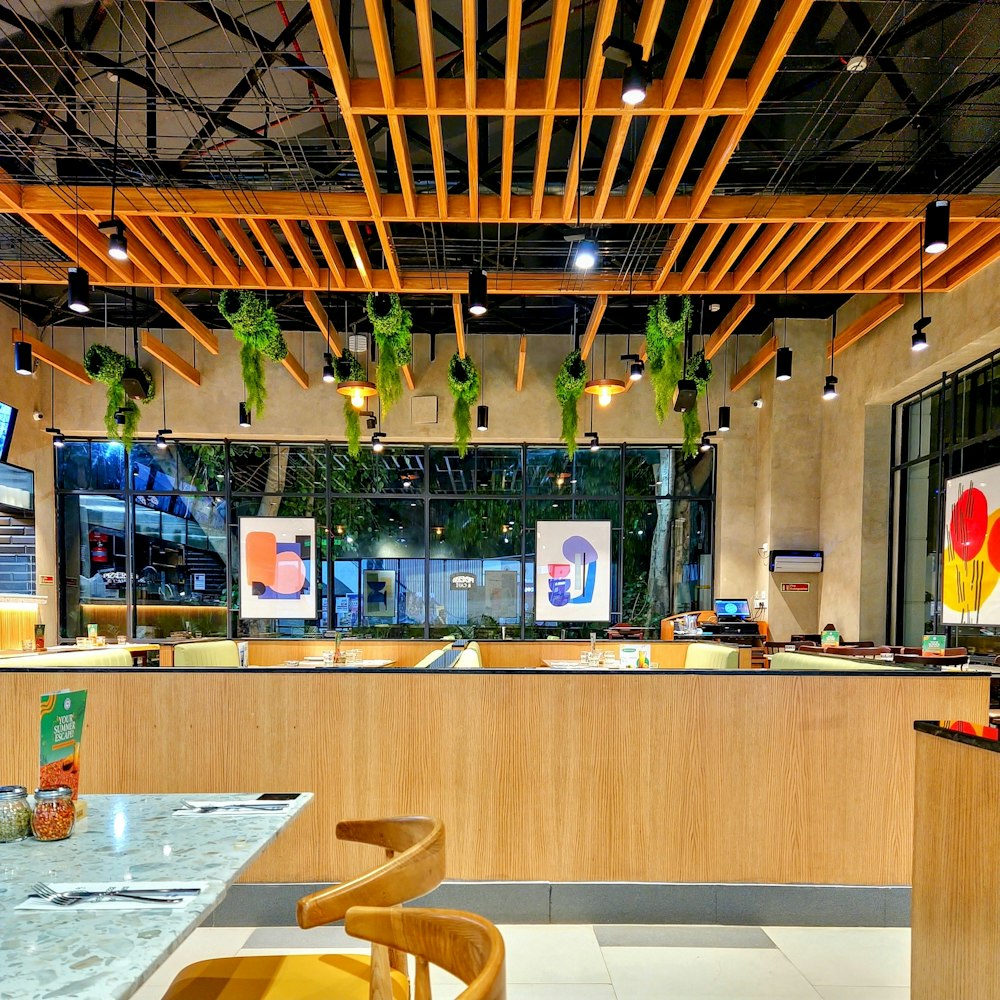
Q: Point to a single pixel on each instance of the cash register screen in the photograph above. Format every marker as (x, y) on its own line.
(730, 609)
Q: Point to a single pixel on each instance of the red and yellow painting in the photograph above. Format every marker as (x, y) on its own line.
(971, 563)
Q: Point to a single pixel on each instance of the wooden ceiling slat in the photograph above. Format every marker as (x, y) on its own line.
(300, 248)
(768, 238)
(754, 365)
(865, 323)
(459, 313)
(182, 242)
(596, 315)
(972, 264)
(513, 53)
(844, 252)
(53, 358)
(159, 248)
(169, 359)
(261, 228)
(291, 365)
(240, 242)
(890, 235)
(790, 248)
(936, 266)
(139, 257)
(522, 358)
(330, 250)
(56, 232)
(216, 249)
(728, 326)
(553, 70)
(470, 71)
(909, 268)
(678, 237)
(680, 156)
(408, 377)
(703, 250)
(323, 322)
(428, 68)
(742, 235)
(169, 303)
(829, 236)
(358, 252)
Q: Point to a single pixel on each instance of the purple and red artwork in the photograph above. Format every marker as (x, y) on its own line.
(573, 571)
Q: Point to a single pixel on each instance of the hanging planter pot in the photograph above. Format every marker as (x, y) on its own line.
(347, 368)
(121, 418)
(463, 381)
(255, 326)
(571, 380)
(391, 325)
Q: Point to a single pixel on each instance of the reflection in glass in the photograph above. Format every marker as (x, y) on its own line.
(589, 473)
(483, 470)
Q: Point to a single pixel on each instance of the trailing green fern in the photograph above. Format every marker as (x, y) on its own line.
(255, 326)
(108, 366)
(347, 368)
(570, 381)
(391, 324)
(666, 323)
(463, 381)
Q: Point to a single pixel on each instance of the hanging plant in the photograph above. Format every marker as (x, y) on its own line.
(666, 322)
(255, 326)
(463, 380)
(108, 366)
(391, 325)
(570, 381)
(699, 370)
(347, 368)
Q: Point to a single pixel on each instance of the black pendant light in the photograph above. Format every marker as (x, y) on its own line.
(783, 359)
(587, 252)
(24, 362)
(244, 414)
(919, 340)
(58, 438)
(117, 240)
(477, 283)
(161, 434)
(482, 411)
(725, 415)
(936, 225)
(78, 290)
(830, 385)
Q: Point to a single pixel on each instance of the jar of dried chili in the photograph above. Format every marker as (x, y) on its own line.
(54, 813)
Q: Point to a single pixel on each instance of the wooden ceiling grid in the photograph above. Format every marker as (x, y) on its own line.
(739, 245)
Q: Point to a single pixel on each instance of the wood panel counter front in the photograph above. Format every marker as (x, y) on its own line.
(743, 776)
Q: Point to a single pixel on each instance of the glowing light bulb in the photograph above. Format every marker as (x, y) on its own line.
(357, 400)
(604, 397)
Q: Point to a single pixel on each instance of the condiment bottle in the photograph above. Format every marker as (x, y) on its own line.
(15, 813)
(54, 813)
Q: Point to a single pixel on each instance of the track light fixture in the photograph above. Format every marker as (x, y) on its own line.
(477, 291)
(78, 290)
(482, 417)
(58, 438)
(377, 444)
(637, 76)
(24, 363)
(635, 366)
(783, 364)
(328, 374)
(161, 437)
(706, 442)
(830, 387)
(244, 415)
(117, 240)
(724, 418)
(594, 439)
(918, 342)
(936, 225)
(587, 254)
(120, 416)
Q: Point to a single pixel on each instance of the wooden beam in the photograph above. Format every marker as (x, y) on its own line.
(291, 365)
(678, 237)
(727, 327)
(138, 256)
(470, 51)
(742, 235)
(754, 365)
(513, 52)
(159, 248)
(53, 358)
(216, 249)
(170, 359)
(428, 67)
(456, 306)
(522, 357)
(54, 230)
(240, 242)
(596, 315)
(765, 242)
(865, 323)
(703, 250)
(300, 248)
(886, 239)
(910, 267)
(183, 243)
(553, 69)
(827, 239)
(358, 251)
(937, 266)
(169, 303)
(683, 149)
(10, 193)
(972, 265)
(845, 251)
(330, 250)
(322, 320)
(789, 249)
(261, 228)
(408, 378)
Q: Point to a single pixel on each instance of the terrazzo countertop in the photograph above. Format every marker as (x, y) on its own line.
(98, 955)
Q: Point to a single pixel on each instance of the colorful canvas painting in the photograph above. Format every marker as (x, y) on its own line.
(971, 563)
(573, 571)
(277, 567)
(380, 594)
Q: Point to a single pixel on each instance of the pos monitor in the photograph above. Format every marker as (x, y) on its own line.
(732, 609)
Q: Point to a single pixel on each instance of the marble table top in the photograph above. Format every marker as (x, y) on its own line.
(93, 955)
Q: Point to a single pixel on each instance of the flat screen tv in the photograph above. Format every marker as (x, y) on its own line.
(8, 416)
(732, 609)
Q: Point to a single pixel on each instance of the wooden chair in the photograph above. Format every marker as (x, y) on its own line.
(464, 944)
(415, 864)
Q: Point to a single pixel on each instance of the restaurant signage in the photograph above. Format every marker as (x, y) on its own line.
(462, 581)
(932, 644)
(795, 588)
(61, 729)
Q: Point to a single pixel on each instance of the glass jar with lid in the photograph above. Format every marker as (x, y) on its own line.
(54, 813)
(15, 813)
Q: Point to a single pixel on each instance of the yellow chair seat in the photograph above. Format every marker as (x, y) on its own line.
(281, 977)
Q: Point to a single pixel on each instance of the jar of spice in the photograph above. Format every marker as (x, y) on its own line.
(15, 813)
(54, 813)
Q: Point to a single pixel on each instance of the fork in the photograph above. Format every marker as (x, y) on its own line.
(236, 806)
(68, 898)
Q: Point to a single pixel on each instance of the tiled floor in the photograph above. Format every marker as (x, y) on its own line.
(628, 962)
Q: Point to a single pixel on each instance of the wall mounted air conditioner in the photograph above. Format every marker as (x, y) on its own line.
(796, 561)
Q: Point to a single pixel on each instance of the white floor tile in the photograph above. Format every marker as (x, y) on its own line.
(863, 992)
(206, 942)
(703, 973)
(847, 956)
(559, 991)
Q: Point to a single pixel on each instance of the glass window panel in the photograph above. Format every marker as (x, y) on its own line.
(153, 468)
(92, 566)
(474, 528)
(395, 470)
(666, 472)
(474, 597)
(201, 467)
(916, 590)
(180, 567)
(377, 528)
(589, 473)
(483, 470)
(91, 465)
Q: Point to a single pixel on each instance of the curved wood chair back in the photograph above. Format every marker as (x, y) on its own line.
(464, 944)
(415, 864)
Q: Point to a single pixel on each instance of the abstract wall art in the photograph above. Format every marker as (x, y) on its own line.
(277, 567)
(380, 594)
(573, 571)
(971, 563)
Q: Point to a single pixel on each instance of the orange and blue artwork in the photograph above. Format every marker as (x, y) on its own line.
(971, 563)
(277, 567)
(573, 571)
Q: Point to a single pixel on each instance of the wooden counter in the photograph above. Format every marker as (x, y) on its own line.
(663, 775)
(956, 899)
